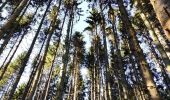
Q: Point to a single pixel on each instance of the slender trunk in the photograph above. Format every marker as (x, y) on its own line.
(91, 85)
(108, 92)
(9, 24)
(96, 64)
(94, 81)
(38, 91)
(9, 53)
(98, 83)
(35, 82)
(156, 41)
(38, 54)
(41, 65)
(162, 40)
(60, 90)
(50, 32)
(114, 38)
(71, 82)
(33, 73)
(25, 60)
(10, 34)
(5, 42)
(16, 48)
(46, 88)
(134, 45)
(50, 74)
(75, 77)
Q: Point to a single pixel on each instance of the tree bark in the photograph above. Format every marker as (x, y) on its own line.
(60, 91)
(108, 91)
(157, 42)
(162, 9)
(134, 45)
(10, 59)
(25, 60)
(9, 24)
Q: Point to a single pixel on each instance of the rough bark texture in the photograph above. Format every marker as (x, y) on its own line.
(134, 45)
(162, 9)
(157, 42)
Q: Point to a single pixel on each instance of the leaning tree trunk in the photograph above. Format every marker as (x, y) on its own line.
(165, 52)
(12, 31)
(156, 41)
(25, 60)
(136, 49)
(10, 59)
(162, 9)
(50, 35)
(33, 73)
(13, 17)
(8, 55)
(50, 32)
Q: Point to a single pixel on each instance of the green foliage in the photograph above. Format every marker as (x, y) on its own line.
(24, 21)
(50, 56)
(78, 44)
(12, 69)
(53, 12)
(19, 92)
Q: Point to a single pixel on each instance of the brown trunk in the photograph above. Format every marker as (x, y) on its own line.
(162, 9)
(25, 60)
(9, 24)
(134, 45)
(60, 91)
(10, 59)
(156, 41)
(113, 36)
(75, 77)
(33, 73)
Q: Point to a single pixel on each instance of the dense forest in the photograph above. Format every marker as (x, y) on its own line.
(84, 49)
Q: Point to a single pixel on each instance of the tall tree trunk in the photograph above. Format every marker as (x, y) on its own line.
(61, 90)
(50, 33)
(134, 45)
(91, 85)
(154, 37)
(33, 73)
(113, 36)
(10, 59)
(10, 34)
(75, 95)
(37, 77)
(15, 43)
(108, 91)
(9, 24)
(25, 60)
(162, 9)
(71, 83)
(45, 92)
(62, 26)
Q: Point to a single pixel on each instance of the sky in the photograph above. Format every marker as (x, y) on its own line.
(25, 44)
(78, 26)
